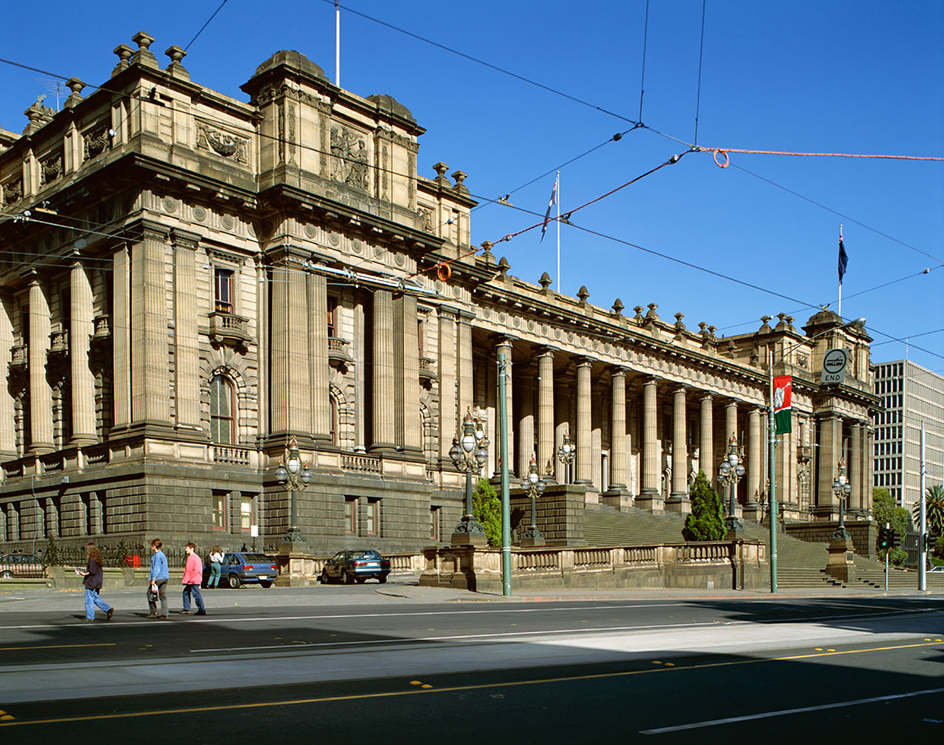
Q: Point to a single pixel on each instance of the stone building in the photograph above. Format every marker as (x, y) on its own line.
(190, 281)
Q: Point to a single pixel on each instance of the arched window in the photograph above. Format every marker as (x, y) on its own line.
(222, 411)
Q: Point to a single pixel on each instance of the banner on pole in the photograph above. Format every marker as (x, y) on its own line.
(783, 404)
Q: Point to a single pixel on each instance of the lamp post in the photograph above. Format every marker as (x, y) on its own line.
(842, 489)
(534, 486)
(730, 473)
(293, 474)
(469, 452)
(567, 454)
(772, 441)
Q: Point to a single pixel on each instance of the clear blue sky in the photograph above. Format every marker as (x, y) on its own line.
(855, 77)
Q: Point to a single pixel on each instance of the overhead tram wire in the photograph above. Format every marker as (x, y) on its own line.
(645, 44)
(203, 27)
(701, 54)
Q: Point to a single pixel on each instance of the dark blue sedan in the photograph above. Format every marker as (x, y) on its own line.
(240, 567)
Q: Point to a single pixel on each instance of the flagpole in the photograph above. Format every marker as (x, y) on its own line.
(840, 276)
(337, 43)
(557, 183)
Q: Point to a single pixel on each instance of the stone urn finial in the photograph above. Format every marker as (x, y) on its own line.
(583, 293)
(545, 281)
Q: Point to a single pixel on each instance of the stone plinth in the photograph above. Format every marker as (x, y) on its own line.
(840, 563)
(295, 570)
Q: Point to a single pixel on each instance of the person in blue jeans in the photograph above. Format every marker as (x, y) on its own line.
(93, 584)
(159, 576)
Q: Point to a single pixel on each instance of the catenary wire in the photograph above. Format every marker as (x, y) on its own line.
(203, 27)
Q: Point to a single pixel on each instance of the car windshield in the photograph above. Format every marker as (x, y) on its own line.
(365, 555)
(256, 559)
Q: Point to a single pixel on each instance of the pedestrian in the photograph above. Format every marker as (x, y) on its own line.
(93, 584)
(159, 576)
(216, 567)
(193, 576)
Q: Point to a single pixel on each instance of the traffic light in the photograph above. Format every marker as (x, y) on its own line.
(893, 539)
(883, 538)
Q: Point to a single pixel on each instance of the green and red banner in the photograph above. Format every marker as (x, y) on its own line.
(783, 404)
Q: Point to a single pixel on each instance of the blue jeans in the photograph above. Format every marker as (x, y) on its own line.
(195, 589)
(215, 572)
(91, 601)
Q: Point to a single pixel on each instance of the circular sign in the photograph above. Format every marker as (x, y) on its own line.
(835, 361)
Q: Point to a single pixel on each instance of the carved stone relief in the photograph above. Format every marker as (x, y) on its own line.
(222, 143)
(96, 141)
(350, 161)
(12, 191)
(50, 168)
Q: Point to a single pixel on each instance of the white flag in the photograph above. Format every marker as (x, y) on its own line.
(551, 203)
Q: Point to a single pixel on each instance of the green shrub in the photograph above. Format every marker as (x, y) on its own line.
(706, 523)
(486, 506)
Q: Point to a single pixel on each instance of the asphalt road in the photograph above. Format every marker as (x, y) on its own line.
(401, 663)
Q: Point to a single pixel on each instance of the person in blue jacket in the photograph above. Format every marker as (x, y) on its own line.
(159, 576)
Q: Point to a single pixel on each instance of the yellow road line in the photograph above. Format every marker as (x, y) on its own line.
(60, 646)
(477, 686)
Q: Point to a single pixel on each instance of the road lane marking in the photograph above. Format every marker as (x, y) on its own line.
(60, 646)
(788, 712)
(454, 689)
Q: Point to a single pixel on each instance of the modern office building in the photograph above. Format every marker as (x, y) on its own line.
(191, 282)
(911, 397)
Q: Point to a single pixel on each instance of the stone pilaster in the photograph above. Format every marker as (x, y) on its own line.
(466, 382)
(546, 447)
(650, 497)
(830, 451)
(186, 333)
(7, 417)
(290, 381)
(504, 346)
(150, 384)
(855, 507)
(41, 435)
(83, 382)
(678, 500)
(584, 423)
(121, 336)
(319, 368)
(448, 369)
(384, 380)
(755, 465)
(526, 443)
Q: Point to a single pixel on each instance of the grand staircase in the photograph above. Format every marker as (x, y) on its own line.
(799, 564)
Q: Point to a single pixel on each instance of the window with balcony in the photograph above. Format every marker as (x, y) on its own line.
(223, 290)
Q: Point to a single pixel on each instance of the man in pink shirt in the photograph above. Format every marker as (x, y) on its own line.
(193, 576)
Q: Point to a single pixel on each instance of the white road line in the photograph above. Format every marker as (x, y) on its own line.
(788, 712)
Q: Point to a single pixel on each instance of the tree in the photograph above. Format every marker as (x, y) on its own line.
(486, 506)
(933, 510)
(886, 510)
(706, 523)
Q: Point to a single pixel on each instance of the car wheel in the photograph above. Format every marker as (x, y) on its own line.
(234, 581)
(266, 585)
(347, 578)
(361, 580)
(6, 575)
(325, 579)
(382, 579)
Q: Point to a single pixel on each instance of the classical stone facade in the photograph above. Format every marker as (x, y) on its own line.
(191, 281)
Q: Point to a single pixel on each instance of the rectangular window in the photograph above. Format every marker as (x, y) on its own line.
(372, 517)
(219, 510)
(434, 515)
(245, 514)
(350, 515)
(223, 290)
(332, 317)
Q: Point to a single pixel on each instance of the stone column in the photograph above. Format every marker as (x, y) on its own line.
(855, 506)
(650, 497)
(40, 395)
(830, 443)
(186, 333)
(150, 381)
(448, 382)
(584, 423)
(617, 436)
(409, 434)
(756, 473)
(384, 381)
(678, 500)
(290, 382)
(730, 428)
(564, 425)
(319, 368)
(504, 346)
(547, 449)
(526, 428)
(706, 450)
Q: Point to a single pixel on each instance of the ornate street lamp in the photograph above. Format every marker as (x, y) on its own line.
(567, 454)
(293, 474)
(730, 473)
(469, 453)
(534, 486)
(842, 489)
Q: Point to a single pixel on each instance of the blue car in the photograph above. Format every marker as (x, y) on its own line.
(239, 568)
